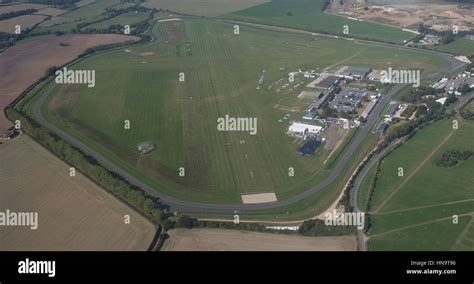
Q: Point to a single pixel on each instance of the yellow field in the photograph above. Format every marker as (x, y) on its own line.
(73, 212)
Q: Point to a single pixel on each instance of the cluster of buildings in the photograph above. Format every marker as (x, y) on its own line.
(455, 84)
(430, 40)
(388, 117)
(345, 100)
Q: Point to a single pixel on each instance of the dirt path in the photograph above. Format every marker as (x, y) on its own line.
(423, 207)
(463, 234)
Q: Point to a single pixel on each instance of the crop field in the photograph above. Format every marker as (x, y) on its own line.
(51, 12)
(81, 15)
(73, 212)
(231, 240)
(122, 19)
(308, 15)
(460, 46)
(221, 69)
(415, 211)
(26, 21)
(18, 7)
(202, 7)
(27, 61)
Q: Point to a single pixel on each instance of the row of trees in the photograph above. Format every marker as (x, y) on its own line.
(308, 228)
(56, 3)
(14, 14)
(316, 227)
(137, 28)
(451, 158)
(184, 221)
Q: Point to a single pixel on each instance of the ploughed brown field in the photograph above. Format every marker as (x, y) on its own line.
(233, 240)
(73, 212)
(26, 62)
(25, 22)
(18, 7)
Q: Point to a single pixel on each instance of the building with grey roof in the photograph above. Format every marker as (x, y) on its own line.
(354, 72)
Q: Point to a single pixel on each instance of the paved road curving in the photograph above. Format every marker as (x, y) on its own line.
(223, 209)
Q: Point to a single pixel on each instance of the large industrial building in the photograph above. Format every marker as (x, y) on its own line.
(302, 129)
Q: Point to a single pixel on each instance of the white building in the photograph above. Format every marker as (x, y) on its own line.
(303, 128)
(442, 100)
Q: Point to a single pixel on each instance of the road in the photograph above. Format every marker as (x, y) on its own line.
(361, 237)
(224, 209)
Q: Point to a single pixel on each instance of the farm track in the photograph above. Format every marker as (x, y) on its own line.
(207, 208)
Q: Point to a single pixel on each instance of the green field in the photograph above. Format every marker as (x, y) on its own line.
(82, 15)
(308, 15)
(409, 211)
(202, 7)
(460, 46)
(122, 19)
(222, 71)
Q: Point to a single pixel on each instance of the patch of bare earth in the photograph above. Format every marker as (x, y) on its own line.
(26, 21)
(437, 16)
(19, 7)
(24, 63)
(233, 240)
(51, 11)
(73, 212)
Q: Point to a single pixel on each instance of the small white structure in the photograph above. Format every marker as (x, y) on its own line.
(442, 100)
(303, 128)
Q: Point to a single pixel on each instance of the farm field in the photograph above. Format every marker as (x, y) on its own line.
(202, 7)
(460, 46)
(26, 62)
(308, 15)
(51, 11)
(82, 15)
(73, 212)
(221, 71)
(405, 210)
(122, 19)
(232, 240)
(18, 7)
(25, 22)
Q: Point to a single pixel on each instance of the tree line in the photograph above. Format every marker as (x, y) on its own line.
(14, 14)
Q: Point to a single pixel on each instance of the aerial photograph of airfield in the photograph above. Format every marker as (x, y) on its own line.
(230, 125)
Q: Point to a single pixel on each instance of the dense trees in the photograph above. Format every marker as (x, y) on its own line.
(451, 158)
(316, 227)
(55, 3)
(14, 14)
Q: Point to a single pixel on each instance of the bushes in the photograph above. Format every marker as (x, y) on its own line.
(451, 158)
(317, 227)
(14, 14)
